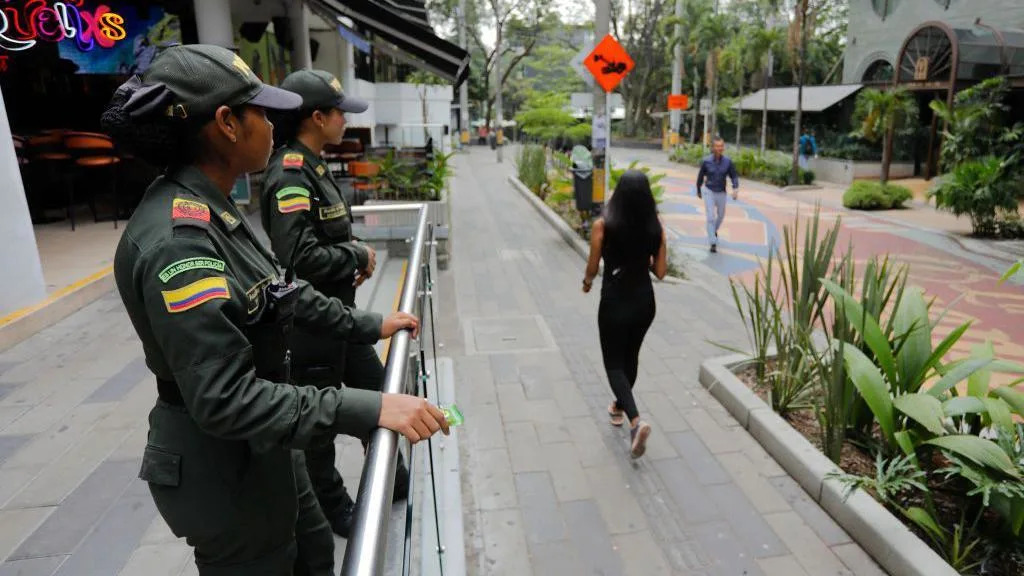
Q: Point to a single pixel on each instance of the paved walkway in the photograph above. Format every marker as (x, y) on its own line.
(548, 486)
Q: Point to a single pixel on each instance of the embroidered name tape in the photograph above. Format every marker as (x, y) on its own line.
(292, 199)
(196, 293)
(332, 212)
(190, 264)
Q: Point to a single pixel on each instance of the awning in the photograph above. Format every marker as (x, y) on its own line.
(815, 98)
(402, 36)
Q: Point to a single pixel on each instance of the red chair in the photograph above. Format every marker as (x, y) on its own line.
(366, 178)
(95, 152)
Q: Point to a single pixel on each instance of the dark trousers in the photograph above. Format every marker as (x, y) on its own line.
(358, 366)
(623, 321)
(246, 512)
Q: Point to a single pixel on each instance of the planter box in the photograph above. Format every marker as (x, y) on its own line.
(870, 524)
(846, 171)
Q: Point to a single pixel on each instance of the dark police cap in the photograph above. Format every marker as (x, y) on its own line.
(193, 80)
(321, 89)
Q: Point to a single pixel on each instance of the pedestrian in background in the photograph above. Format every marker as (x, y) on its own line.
(309, 224)
(213, 312)
(630, 239)
(711, 177)
(808, 147)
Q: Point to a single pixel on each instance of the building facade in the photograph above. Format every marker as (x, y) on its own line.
(878, 28)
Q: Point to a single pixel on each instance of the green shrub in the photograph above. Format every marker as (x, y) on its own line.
(867, 195)
(773, 167)
(980, 189)
(531, 166)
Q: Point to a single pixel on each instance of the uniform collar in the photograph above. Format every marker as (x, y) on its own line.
(315, 161)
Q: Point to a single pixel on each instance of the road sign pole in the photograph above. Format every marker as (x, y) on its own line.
(607, 145)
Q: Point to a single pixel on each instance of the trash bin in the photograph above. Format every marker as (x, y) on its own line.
(582, 178)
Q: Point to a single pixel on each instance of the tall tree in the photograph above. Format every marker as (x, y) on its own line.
(879, 115)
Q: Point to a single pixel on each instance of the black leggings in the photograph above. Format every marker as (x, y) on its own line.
(623, 322)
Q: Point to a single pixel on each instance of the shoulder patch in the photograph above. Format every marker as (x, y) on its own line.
(195, 294)
(292, 199)
(187, 264)
(292, 160)
(320, 170)
(185, 212)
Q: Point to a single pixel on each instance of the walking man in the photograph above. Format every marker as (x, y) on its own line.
(711, 187)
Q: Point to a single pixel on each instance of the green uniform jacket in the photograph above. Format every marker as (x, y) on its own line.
(191, 274)
(310, 223)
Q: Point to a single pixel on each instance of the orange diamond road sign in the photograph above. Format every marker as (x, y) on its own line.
(609, 63)
(678, 102)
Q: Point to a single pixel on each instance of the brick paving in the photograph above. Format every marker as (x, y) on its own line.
(548, 485)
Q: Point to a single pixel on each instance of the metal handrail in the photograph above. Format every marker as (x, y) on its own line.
(367, 542)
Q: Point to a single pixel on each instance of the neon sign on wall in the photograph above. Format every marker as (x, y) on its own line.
(41, 20)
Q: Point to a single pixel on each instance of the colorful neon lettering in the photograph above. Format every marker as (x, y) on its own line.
(21, 29)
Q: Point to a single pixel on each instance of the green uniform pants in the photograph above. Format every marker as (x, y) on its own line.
(360, 367)
(245, 512)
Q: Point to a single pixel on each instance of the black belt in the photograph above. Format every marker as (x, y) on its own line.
(169, 392)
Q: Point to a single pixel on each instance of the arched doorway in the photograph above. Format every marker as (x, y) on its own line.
(927, 65)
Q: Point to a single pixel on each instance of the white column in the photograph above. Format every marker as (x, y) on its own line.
(19, 257)
(299, 20)
(213, 22)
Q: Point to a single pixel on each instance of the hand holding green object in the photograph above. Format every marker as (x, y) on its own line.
(452, 414)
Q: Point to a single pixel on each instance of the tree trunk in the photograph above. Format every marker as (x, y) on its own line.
(794, 174)
(696, 101)
(739, 116)
(886, 154)
(764, 112)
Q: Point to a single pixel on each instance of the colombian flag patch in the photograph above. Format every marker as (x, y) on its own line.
(196, 293)
(292, 160)
(292, 199)
(182, 209)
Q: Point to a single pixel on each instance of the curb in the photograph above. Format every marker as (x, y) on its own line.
(870, 524)
(23, 323)
(570, 236)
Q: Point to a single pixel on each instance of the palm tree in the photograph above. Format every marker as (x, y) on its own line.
(801, 64)
(693, 11)
(880, 113)
(709, 34)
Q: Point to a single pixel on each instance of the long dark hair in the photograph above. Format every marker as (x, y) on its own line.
(632, 230)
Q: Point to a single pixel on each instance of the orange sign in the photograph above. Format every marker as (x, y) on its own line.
(609, 63)
(678, 101)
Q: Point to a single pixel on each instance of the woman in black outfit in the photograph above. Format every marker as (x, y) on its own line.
(631, 240)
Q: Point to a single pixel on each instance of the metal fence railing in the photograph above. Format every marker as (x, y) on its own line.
(405, 371)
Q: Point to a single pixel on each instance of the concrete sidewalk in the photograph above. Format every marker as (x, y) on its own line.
(549, 486)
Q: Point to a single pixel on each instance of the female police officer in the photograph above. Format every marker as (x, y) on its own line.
(310, 227)
(213, 314)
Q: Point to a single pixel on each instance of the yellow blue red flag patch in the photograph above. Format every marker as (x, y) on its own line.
(196, 293)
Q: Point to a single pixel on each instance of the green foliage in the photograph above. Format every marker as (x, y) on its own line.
(657, 190)
(877, 111)
(867, 195)
(772, 167)
(975, 126)
(531, 167)
(982, 189)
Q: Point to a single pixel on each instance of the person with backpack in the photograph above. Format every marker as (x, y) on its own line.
(808, 146)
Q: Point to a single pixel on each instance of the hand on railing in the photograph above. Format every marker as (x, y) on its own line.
(411, 416)
(399, 321)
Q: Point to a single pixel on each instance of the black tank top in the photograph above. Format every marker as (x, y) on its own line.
(625, 271)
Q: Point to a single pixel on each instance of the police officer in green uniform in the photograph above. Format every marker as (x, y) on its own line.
(309, 223)
(214, 315)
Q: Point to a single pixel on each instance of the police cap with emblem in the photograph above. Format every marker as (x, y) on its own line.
(320, 90)
(192, 81)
